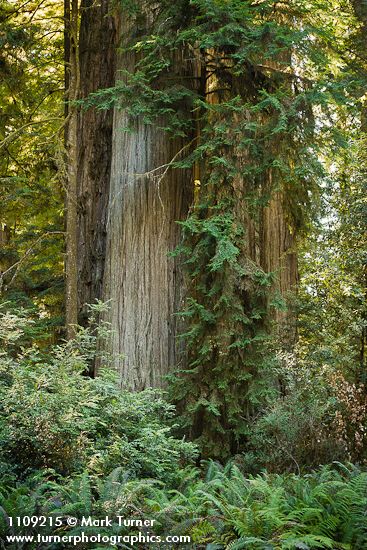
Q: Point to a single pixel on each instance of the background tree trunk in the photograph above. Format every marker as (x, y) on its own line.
(71, 300)
(97, 45)
(360, 10)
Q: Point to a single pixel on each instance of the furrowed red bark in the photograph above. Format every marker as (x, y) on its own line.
(98, 46)
(144, 285)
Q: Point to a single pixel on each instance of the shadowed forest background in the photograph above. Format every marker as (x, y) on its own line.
(183, 269)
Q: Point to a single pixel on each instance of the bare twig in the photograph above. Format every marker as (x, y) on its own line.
(159, 177)
(13, 135)
(28, 252)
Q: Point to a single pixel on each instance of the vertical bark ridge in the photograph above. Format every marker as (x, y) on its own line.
(97, 68)
(71, 271)
(278, 255)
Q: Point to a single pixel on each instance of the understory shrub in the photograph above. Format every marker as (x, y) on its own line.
(53, 416)
(73, 445)
(319, 417)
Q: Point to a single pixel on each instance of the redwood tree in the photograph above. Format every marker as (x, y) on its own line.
(97, 58)
(198, 96)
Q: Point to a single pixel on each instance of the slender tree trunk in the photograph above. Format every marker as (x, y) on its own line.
(66, 59)
(5, 236)
(144, 285)
(360, 10)
(72, 180)
(97, 54)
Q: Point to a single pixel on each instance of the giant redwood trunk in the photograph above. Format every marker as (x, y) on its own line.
(144, 285)
(277, 234)
(278, 255)
(97, 53)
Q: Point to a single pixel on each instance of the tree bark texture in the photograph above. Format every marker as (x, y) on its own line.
(277, 235)
(278, 255)
(71, 300)
(144, 285)
(97, 45)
